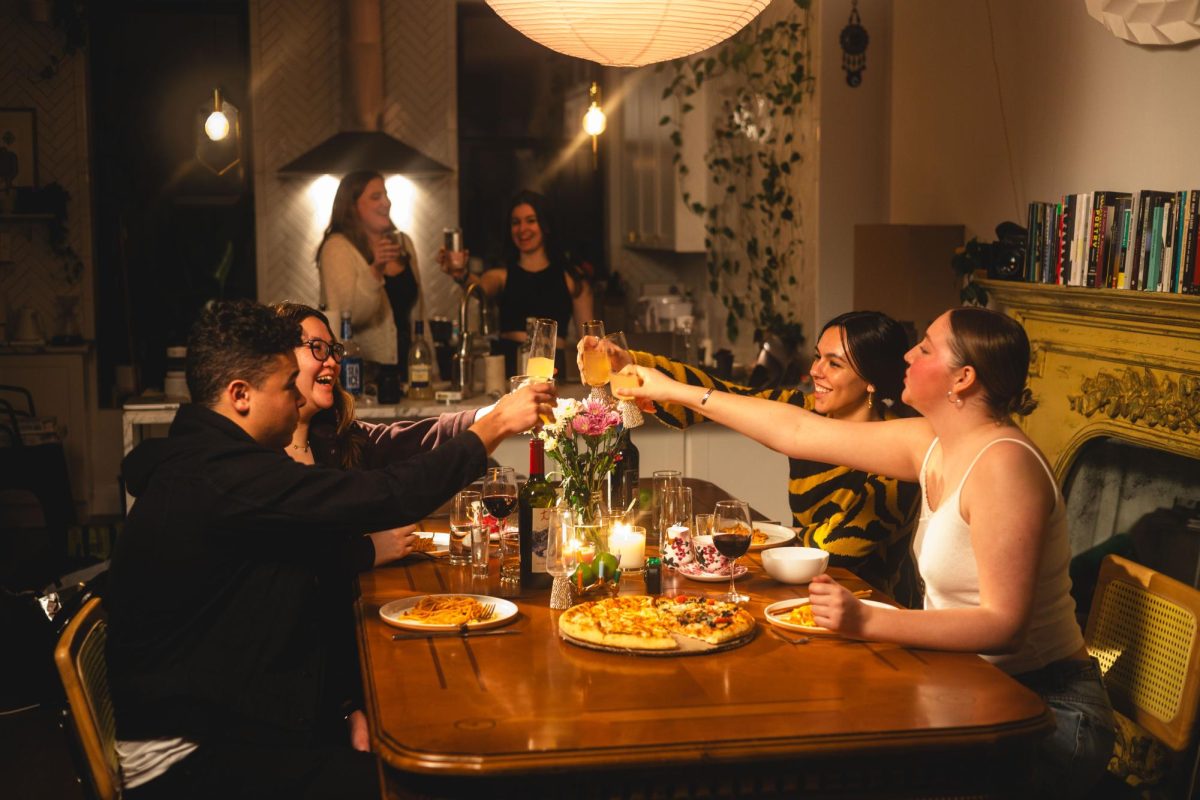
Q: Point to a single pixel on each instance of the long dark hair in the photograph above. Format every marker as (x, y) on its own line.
(550, 241)
(346, 446)
(875, 345)
(997, 347)
(343, 218)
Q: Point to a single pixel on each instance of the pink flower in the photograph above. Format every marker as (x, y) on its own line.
(595, 419)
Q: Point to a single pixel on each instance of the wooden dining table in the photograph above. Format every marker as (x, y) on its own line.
(531, 715)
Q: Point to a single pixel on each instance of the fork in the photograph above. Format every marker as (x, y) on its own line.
(781, 637)
(485, 611)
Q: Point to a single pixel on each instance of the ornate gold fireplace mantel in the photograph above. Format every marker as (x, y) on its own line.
(1108, 362)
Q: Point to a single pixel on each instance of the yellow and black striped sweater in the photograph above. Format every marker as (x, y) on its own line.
(864, 521)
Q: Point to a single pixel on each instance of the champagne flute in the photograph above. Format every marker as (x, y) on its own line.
(560, 556)
(731, 537)
(623, 376)
(517, 382)
(541, 349)
(594, 362)
(500, 499)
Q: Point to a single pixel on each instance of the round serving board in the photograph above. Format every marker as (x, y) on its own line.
(687, 646)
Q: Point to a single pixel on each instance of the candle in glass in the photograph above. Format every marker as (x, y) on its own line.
(628, 544)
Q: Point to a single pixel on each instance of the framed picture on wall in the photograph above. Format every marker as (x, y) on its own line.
(18, 148)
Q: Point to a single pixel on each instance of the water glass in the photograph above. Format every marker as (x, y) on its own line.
(510, 555)
(464, 517)
(666, 481)
(480, 541)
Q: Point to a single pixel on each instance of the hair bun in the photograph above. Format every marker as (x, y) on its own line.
(1022, 405)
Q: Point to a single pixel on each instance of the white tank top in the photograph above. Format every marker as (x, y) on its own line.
(946, 562)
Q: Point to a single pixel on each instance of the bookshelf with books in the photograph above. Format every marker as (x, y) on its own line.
(1141, 241)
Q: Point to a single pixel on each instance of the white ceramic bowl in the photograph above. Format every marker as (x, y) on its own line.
(795, 564)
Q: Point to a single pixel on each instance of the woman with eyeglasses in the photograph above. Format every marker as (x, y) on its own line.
(327, 434)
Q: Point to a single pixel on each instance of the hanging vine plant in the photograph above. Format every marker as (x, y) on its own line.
(753, 231)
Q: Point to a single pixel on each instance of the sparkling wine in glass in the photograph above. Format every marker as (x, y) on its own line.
(594, 362)
(731, 537)
(541, 349)
(622, 376)
(516, 382)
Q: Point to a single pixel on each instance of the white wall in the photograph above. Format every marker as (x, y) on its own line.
(853, 154)
(1082, 110)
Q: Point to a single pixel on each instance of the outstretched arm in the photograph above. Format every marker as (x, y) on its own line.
(894, 448)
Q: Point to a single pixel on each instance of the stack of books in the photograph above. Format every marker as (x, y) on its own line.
(1116, 240)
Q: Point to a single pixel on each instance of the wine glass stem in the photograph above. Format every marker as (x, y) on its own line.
(732, 586)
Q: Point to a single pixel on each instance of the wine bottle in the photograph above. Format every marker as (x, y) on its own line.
(533, 518)
(420, 365)
(352, 363)
(623, 480)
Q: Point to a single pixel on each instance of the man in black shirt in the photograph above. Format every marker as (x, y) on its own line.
(217, 605)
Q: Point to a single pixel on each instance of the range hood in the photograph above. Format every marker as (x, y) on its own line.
(361, 145)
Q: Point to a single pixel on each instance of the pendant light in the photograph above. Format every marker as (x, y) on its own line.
(628, 33)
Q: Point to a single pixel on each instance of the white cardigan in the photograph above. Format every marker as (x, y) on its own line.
(349, 284)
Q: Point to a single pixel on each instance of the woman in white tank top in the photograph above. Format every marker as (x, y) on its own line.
(991, 546)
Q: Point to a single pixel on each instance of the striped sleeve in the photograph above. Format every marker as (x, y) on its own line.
(677, 416)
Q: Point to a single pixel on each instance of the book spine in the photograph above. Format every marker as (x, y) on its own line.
(1060, 224)
(1154, 258)
(1186, 276)
(1095, 239)
(1049, 242)
(1131, 249)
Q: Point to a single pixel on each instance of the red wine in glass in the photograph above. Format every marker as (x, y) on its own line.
(501, 505)
(731, 545)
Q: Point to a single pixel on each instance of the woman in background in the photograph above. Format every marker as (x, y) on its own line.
(369, 268)
(536, 280)
(864, 520)
(991, 544)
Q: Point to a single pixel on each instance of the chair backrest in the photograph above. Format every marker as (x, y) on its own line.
(81, 666)
(1143, 630)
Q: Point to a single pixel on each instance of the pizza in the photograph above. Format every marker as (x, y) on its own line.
(424, 544)
(641, 622)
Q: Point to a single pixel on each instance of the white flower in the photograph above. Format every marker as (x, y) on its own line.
(551, 444)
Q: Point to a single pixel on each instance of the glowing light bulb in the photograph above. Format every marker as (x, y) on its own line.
(594, 121)
(216, 127)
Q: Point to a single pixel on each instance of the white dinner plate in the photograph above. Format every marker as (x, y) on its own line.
(441, 542)
(777, 613)
(693, 573)
(396, 612)
(776, 535)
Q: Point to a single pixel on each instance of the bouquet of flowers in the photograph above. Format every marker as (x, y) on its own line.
(583, 439)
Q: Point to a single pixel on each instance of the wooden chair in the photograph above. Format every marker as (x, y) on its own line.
(1143, 629)
(80, 660)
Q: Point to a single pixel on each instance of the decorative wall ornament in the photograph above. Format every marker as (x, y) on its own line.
(1171, 402)
(1149, 22)
(628, 33)
(854, 40)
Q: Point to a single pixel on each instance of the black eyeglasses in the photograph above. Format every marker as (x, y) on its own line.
(322, 349)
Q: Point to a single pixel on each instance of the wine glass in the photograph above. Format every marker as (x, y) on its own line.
(500, 499)
(594, 361)
(541, 349)
(731, 537)
(666, 481)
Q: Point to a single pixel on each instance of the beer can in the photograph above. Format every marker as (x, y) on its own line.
(452, 240)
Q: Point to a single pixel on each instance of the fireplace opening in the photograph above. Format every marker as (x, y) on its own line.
(1136, 502)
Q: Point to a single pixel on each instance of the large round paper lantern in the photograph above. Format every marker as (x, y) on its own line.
(628, 33)
(1153, 22)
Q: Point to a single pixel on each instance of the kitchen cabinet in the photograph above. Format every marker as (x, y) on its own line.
(654, 215)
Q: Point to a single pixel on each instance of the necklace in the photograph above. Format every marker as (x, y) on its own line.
(303, 448)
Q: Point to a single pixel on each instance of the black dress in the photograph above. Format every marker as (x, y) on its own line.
(402, 294)
(533, 294)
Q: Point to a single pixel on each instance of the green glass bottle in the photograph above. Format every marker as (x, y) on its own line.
(533, 519)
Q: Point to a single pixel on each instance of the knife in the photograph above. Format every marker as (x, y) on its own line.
(397, 637)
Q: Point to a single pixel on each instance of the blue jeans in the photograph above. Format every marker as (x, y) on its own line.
(1073, 757)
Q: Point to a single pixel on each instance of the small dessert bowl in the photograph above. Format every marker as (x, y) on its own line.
(795, 564)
